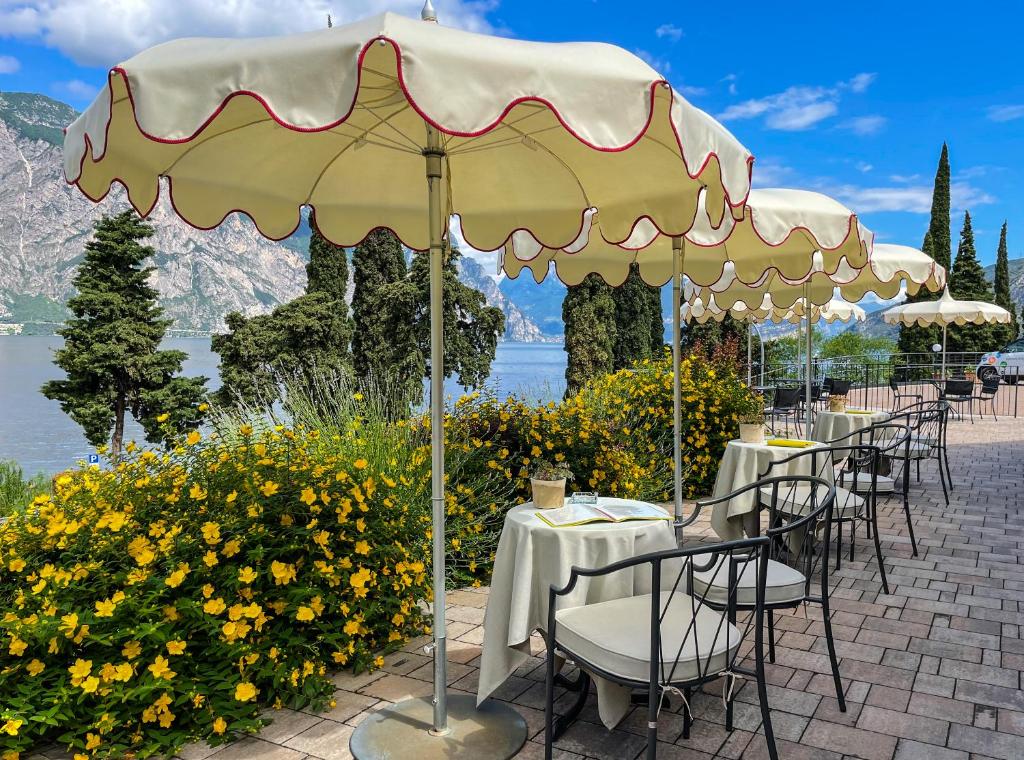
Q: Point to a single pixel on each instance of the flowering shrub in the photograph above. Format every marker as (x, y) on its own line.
(173, 595)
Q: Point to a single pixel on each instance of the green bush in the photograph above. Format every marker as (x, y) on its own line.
(15, 490)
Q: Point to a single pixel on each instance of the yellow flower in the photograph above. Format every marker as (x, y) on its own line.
(161, 668)
(210, 559)
(245, 430)
(17, 647)
(362, 547)
(176, 647)
(360, 464)
(176, 578)
(269, 488)
(247, 575)
(283, 573)
(131, 650)
(231, 548)
(308, 496)
(245, 692)
(220, 726)
(305, 614)
(35, 667)
(90, 684)
(193, 438)
(92, 741)
(163, 417)
(11, 726)
(211, 533)
(16, 565)
(196, 492)
(214, 606)
(360, 578)
(105, 608)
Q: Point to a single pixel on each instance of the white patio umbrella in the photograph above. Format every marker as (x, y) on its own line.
(946, 311)
(835, 310)
(349, 122)
(789, 233)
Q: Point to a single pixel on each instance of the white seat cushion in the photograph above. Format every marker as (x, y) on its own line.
(920, 449)
(616, 636)
(795, 500)
(784, 584)
(862, 483)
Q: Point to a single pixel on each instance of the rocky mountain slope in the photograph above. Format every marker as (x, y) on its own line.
(201, 275)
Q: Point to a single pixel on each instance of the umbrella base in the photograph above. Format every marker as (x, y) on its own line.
(494, 731)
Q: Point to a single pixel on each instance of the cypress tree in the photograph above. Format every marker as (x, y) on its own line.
(588, 312)
(1001, 288)
(111, 352)
(301, 342)
(967, 282)
(637, 321)
(382, 339)
(937, 244)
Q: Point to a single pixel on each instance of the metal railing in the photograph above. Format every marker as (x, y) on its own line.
(917, 374)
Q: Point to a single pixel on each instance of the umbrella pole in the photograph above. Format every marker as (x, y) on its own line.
(434, 154)
(943, 378)
(678, 254)
(807, 373)
(439, 728)
(750, 368)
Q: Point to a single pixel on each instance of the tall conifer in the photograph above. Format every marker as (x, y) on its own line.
(967, 283)
(1001, 287)
(588, 312)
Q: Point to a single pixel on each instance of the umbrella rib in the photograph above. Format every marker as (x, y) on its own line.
(558, 159)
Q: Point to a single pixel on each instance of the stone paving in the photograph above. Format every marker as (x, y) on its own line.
(932, 671)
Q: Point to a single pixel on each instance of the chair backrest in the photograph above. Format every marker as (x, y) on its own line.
(826, 385)
(785, 397)
(959, 387)
(893, 384)
(990, 386)
(840, 387)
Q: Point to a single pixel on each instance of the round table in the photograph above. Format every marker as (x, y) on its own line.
(531, 557)
(829, 426)
(743, 464)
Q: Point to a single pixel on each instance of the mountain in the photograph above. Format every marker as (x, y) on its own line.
(201, 275)
(1016, 267)
(542, 304)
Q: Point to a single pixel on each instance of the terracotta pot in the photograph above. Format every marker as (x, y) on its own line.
(751, 432)
(548, 494)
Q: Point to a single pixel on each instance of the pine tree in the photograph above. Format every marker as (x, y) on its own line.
(588, 312)
(937, 244)
(1005, 333)
(111, 351)
(637, 321)
(967, 282)
(305, 341)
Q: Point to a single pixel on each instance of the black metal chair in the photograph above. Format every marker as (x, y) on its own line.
(899, 394)
(837, 386)
(928, 423)
(786, 405)
(959, 392)
(989, 389)
(671, 641)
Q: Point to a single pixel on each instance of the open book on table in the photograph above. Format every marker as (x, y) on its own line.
(581, 514)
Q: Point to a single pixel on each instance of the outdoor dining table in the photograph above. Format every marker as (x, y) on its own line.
(828, 426)
(531, 557)
(743, 464)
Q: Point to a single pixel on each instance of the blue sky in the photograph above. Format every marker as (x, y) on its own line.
(851, 100)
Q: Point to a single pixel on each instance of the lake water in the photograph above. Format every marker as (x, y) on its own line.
(37, 434)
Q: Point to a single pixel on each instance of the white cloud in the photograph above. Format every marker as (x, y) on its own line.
(692, 92)
(731, 79)
(770, 172)
(915, 199)
(670, 31)
(9, 64)
(905, 179)
(798, 107)
(865, 125)
(76, 89)
(863, 166)
(101, 34)
(489, 260)
(1005, 113)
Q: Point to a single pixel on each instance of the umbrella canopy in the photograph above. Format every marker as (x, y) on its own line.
(390, 122)
(336, 119)
(890, 269)
(946, 311)
(779, 233)
(836, 310)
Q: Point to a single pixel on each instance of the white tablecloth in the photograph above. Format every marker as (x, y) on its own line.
(531, 557)
(742, 464)
(828, 426)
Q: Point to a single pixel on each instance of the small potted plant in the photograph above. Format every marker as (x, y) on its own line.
(751, 418)
(837, 403)
(548, 483)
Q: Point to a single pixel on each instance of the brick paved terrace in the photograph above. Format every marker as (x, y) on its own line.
(932, 671)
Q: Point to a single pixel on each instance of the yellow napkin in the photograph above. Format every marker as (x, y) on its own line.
(791, 443)
(859, 411)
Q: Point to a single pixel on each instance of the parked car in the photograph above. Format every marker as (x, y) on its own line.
(1008, 363)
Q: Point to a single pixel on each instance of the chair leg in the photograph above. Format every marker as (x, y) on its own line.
(918, 461)
(687, 718)
(910, 524)
(653, 704)
(549, 703)
(853, 537)
(826, 617)
(878, 545)
(839, 544)
(766, 713)
(771, 636)
(942, 476)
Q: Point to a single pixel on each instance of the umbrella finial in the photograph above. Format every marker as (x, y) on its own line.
(428, 13)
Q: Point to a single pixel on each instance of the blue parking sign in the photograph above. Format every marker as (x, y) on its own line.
(94, 459)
